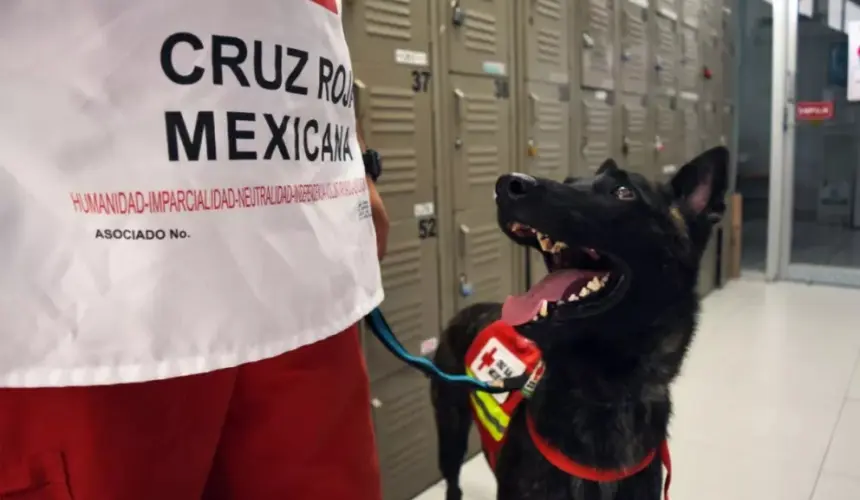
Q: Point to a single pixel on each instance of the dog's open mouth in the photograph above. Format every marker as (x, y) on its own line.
(581, 281)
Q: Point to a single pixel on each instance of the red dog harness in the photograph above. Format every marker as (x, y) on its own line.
(499, 352)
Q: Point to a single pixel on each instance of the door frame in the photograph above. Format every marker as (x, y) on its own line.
(781, 190)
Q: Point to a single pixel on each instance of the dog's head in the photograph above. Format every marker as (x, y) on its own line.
(615, 244)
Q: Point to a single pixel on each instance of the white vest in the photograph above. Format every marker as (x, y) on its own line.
(181, 188)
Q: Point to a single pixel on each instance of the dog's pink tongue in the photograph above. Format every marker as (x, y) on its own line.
(519, 309)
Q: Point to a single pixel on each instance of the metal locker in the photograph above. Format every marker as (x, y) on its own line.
(714, 82)
(597, 28)
(691, 136)
(547, 52)
(690, 61)
(548, 112)
(393, 78)
(666, 139)
(634, 46)
(548, 126)
(636, 140)
(596, 113)
(392, 104)
(406, 434)
(478, 36)
(666, 54)
(481, 137)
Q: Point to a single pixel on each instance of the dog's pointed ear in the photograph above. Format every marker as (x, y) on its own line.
(607, 166)
(701, 184)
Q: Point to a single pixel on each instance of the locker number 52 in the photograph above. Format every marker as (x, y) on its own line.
(420, 81)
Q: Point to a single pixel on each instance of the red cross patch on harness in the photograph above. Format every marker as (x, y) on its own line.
(494, 362)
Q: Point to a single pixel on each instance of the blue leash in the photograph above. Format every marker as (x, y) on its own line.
(380, 329)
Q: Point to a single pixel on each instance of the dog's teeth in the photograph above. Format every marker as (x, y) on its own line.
(544, 309)
(584, 292)
(595, 284)
(545, 242)
(535, 318)
(604, 279)
(592, 253)
(573, 297)
(558, 246)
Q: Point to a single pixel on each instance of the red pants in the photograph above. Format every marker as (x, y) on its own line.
(293, 427)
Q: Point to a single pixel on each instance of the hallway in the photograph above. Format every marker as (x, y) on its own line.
(768, 405)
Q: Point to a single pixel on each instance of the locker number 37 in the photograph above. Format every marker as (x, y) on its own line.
(420, 80)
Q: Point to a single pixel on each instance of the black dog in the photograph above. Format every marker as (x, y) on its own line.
(611, 346)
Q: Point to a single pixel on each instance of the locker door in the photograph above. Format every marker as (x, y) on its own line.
(548, 116)
(666, 143)
(596, 131)
(635, 140)
(393, 105)
(714, 85)
(481, 137)
(549, 130)
(691, 134)
(478, 36)
(546, 39)
(598, 35)
(634, 46)
(394, 120)
(403, 418)
(690, 62)
(377, 32)
(666, 55)
(691, 12)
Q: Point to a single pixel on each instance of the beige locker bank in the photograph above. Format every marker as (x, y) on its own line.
(454, 93)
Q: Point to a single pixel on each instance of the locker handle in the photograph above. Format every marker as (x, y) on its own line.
(587, 41)
(464, 241)
(534, 100)
(459, 100)
(361, 105)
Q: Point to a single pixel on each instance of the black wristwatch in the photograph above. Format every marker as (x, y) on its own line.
(372, 164)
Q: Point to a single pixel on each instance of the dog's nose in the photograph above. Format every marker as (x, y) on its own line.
(515, 185)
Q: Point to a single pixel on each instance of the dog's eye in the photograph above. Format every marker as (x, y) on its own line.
(624, 193)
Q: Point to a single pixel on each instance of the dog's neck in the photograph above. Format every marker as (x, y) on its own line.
(595, 418)
(606, 404)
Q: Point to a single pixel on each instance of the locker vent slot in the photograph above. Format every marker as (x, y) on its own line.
(401, 172)
(550, 41)
(402, 266)
(691, 67)
(480, 32)
(666, 52)
(598, 128)
(553, 119)
(597, 59)
(388, 19)
(635, 69)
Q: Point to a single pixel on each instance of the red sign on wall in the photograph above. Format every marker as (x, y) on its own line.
(814, 110)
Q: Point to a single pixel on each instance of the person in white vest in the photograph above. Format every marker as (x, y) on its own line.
(187, 246)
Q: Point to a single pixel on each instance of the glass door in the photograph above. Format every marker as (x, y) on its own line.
(814, 154)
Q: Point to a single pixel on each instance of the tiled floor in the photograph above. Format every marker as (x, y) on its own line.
(768, 406)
